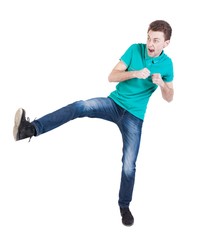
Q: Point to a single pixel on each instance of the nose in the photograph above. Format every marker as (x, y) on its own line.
(149, 43)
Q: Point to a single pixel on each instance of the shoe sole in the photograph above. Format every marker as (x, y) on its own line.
(128, 225)
(17, 121)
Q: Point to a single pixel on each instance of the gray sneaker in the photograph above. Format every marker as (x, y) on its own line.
(22, 127)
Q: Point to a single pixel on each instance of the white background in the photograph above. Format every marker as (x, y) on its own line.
(64, 184)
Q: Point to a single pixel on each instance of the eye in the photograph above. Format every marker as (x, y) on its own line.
(156, 41)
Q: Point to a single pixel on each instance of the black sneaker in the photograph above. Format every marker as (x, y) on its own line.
(127, 217)
(22, 127)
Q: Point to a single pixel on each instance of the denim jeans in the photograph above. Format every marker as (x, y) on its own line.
(104, 108)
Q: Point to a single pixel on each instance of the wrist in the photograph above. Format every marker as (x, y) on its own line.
(133, 74)
(163, 85)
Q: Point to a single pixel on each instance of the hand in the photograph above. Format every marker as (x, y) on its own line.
(157, 79)
(144, 73)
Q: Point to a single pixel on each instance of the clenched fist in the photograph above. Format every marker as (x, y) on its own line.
(143, 73)
(157, 79)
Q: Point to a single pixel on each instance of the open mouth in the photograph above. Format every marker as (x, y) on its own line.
(151, 50)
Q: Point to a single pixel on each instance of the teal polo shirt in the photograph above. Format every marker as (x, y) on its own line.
(133, 94)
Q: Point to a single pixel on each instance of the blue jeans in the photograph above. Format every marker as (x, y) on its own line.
(104, 108)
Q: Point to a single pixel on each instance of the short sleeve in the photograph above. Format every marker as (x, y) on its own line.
(168, 77)
(126, 58)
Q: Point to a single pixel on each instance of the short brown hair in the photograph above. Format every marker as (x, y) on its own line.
(161, 26)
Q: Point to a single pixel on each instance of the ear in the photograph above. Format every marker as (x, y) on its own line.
(166, 43)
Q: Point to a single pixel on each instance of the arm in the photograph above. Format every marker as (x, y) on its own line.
(119, 73)
(166, 87)
(167, 91)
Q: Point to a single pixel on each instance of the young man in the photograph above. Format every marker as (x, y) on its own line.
(141, 69)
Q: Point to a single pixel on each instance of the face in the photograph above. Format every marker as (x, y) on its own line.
(155, 43)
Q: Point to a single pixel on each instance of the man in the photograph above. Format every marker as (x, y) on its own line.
(141, 70)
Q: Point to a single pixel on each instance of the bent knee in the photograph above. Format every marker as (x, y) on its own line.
(129, 171)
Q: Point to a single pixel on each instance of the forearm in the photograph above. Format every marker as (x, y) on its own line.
(167, 92)
(121, 76)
